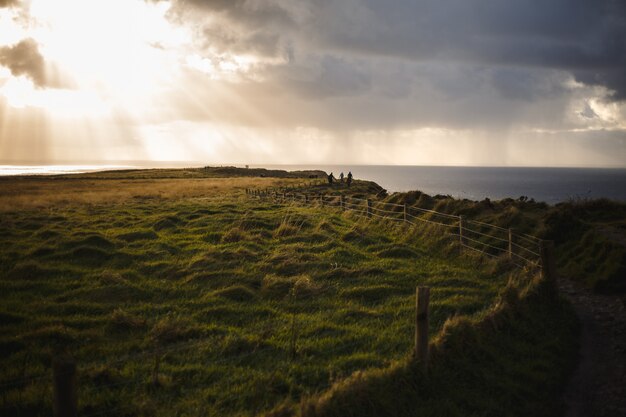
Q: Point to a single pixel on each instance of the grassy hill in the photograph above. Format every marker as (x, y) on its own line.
(184, 297)
(590, 235)
(191, 173)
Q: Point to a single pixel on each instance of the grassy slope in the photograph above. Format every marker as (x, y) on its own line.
(512, 360)
(592, 240)
(590, 236)
(120, 268)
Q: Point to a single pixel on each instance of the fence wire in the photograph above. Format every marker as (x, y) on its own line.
(369, 209)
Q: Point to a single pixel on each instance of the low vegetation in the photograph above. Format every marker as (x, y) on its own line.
(492, 363)
(184, 297)
(589, 235)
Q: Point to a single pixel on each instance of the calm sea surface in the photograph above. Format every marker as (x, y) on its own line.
(551, 185)
(6, 170)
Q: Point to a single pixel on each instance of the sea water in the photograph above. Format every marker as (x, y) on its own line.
(551, 185)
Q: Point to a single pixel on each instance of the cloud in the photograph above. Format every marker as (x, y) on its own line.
(25, 59)
(239, 26)
(8, 3)
(352, 65)
(584, 38)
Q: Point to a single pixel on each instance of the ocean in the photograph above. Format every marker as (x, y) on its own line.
(551, 185)
(10, 170)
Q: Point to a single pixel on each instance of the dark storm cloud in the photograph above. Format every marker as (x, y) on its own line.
(257, 13)
(585, 37)
(8, 3)
(582, 37)
(24, 58)
(331, 77)
(242, 26)
(259, 42)
(526, 84)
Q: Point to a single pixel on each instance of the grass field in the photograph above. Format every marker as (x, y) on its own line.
(252, 303)
(589, 235)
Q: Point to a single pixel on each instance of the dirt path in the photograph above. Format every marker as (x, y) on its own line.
(598, 387)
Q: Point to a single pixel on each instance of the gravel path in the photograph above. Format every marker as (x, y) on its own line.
(598, 387)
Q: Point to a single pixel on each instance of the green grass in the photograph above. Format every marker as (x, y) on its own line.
(252, 307)
(251, 304)
(589, 235)
(512, 360)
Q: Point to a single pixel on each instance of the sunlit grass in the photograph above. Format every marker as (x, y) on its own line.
(278, 301)
(44, 193)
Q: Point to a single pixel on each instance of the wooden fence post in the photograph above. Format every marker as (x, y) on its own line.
(342, 203)
(510, 243)
(548, 265)
(64, 379)
(461, 226)
(405, 211)
(306, 199)
(321, 200)
(422, 295)
(369, 208)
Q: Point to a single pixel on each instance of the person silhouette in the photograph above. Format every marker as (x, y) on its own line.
(341, 178)
(331, 179)
(349, 178)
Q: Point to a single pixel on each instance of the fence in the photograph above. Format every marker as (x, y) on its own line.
(490, 240)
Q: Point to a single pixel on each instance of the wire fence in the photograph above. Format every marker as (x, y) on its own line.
(491, 240)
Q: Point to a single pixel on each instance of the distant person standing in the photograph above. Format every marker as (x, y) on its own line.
(331, 179)
(349, 178)
(341, 178)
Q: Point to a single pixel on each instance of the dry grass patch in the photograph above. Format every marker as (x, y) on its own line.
(31, 193)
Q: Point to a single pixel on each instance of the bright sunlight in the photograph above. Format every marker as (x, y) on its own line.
(113, 53)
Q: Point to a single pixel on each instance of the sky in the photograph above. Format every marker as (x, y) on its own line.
(407, 82)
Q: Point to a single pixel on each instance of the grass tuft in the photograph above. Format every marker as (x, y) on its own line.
(123, 321)
(234, 235)
(172, 329)
(238, 293)
(138, 235)
(398, 252)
